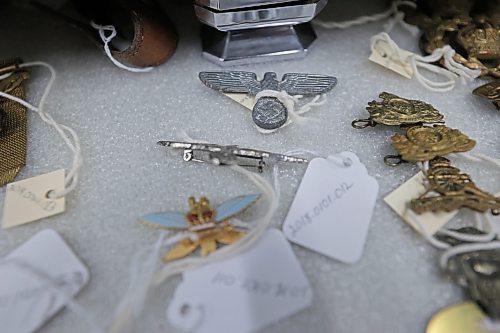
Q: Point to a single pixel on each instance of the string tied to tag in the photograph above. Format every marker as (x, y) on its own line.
(133, 301)
(482, 221)
(295, 114)
(107, 33)
(68, 135)
(452, 71)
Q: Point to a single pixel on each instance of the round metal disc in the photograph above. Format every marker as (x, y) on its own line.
(269, 113)
(459, 318)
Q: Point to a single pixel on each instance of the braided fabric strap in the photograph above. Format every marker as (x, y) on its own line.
(13, 131)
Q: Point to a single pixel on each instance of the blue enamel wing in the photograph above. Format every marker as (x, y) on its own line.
(211, 225)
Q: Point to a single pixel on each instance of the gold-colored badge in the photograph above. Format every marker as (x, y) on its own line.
(481, 41)
(423, 143)
(455, 190)
(473, 31)
(490, 91)
(459, 318)
(210, 225)
(397, 111)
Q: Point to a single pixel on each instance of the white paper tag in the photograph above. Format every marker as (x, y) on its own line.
(244, 293)
(26, 201)
(246, 100)
(332, 209)
(398, 200)
(382, 57)
(28, 297)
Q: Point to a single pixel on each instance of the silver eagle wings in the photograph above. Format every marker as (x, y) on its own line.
(269, 112)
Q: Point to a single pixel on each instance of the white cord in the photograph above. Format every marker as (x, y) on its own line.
(464, 248)
(67, 133)
(452, 72)
(106, 39)
(289, 101)
(392, 10)
(133, 302)
(261, 225)
(337, 158)
(484, 224)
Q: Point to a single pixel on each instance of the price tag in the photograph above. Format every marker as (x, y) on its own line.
(382, 55)
(333, 207)
(26, 200)
(246, 100)
(398, 200)
(37, 279)
(244, 293)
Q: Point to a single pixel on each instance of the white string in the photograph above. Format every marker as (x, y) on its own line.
(141, 275)
(392, 10)
(289, 101)
(464, 248)
(132, 304)
(261, 225)
(337, 158)
(6, 75)
(471, 238)
(452, 72)
(106, 39)
(429, 237)
(56, 287)
(68, 135)
(484, 224)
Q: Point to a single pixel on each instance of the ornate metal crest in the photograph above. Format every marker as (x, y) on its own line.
(269, 112)
(454, 190)
(490, 91)
(472, 30)
(396, 111)
(423, 143)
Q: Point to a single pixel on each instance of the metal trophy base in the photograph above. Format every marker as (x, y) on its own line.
(239, 47)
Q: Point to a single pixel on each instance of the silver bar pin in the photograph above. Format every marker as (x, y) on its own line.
(229, 155)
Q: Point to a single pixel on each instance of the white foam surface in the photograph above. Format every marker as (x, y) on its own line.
(396, 286)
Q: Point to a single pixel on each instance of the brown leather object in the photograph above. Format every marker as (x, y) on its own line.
(154, 40)
(141, 25)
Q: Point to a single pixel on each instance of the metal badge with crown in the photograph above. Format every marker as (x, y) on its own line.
(211, 225)
(490, 91)
(454, 190)
(398, 111)
(422, 143)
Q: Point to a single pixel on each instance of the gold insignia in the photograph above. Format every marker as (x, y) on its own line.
(490, 91)
(207, 242)
(454, 190)
(476, 38)
(397, 111)
(424, 143)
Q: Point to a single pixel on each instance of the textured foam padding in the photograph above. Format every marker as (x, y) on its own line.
(119, 116)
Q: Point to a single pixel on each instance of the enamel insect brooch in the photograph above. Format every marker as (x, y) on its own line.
(211, 225)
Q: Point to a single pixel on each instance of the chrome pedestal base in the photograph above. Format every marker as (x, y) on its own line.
(239, 47)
